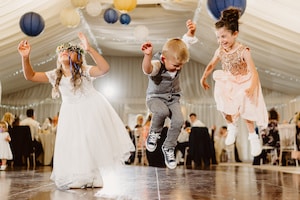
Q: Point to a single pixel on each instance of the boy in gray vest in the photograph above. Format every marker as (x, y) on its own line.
(163, 93)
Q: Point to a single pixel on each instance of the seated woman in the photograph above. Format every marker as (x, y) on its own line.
(270, 137)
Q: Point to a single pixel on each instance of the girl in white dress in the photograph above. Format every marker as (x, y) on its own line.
(237, 87)
(90, 135)
(5, 151)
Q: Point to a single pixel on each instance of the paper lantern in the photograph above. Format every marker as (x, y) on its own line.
(32, 24)
(215, 7)
(125, 19)
(111, 16)
(79, 3)
(93, 8)
(69, 17)
(141, 32)
(125, 6)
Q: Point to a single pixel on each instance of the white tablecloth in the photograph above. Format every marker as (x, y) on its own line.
(48, 141)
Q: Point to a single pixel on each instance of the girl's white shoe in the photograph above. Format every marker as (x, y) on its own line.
(3, 167)
(231, 134)
(255, 144)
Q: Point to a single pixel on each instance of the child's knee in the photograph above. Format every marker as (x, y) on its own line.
(178, 123)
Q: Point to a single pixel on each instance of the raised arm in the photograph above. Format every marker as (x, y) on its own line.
(189, 37)
(102, 66)
(24, 49)
(147, 48)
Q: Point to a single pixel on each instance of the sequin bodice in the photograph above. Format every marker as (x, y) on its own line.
(233, 62)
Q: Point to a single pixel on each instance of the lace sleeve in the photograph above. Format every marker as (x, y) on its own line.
(86, 72)
(51, 76)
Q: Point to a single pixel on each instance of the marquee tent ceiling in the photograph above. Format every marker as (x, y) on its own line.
(270, 28)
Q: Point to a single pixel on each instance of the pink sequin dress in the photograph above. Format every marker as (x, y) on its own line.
(230, 85)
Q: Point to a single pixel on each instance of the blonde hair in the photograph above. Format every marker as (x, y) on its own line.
(8, 118)
(177, 49)
(5, 124)
(296, 117)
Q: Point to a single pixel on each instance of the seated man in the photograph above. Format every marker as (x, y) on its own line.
(34, 129)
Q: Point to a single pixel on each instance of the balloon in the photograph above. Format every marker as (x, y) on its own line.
(111, 16)
(32, 24)
(93, 8)
(125, 5)
(141, 32)
(69, 17)
(125, 19)
(215, 7)
(79, 3)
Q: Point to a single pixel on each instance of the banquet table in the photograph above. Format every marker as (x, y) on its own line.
(47, 139)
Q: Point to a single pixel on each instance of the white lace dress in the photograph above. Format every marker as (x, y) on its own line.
(90, 135)
(5, 151)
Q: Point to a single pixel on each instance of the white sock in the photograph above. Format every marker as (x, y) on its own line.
(252, 136)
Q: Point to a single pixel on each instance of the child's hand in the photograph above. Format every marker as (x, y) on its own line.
(147, 48)
(84, 41)
(7, 139)
(191, 26)
(204, 84)
(250, 92)
(24, 48)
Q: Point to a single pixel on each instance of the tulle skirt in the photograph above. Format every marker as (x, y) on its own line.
(230, 98)
(90, 138)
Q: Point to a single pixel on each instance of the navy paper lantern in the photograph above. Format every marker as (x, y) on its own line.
(111, 16)
(215, 7)
(32, 24)
(125, 19)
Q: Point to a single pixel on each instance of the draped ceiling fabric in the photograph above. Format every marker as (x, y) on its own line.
(270, 28)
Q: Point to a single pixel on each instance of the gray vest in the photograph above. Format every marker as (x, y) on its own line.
(163, 85)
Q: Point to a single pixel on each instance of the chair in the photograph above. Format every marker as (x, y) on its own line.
(269, 151)
(230, 153)
(22, 145)
(200, 149)
(140, 149)
(287, 135)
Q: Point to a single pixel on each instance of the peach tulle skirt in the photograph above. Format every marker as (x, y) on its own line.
(231, 99)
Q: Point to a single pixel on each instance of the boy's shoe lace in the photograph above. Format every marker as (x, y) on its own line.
(151, 142)
(169, 155)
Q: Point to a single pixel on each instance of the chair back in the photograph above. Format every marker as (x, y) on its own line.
(287, 135)
(199, 144)
(21, 143)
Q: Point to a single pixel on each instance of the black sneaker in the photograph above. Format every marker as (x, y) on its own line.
(169, 155)
(151, 141)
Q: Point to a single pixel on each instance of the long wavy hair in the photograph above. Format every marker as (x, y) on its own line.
(77, 63)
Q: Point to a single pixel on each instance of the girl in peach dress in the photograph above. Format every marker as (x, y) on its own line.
(237, 87)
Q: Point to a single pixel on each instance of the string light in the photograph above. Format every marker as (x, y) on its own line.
(32, 105)
(278, 75)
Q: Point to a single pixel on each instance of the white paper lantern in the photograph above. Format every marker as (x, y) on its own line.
(79, 3)
(93, 8)
(141, 32)
(69, 17)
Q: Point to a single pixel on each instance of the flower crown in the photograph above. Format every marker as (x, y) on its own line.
(69, 47)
